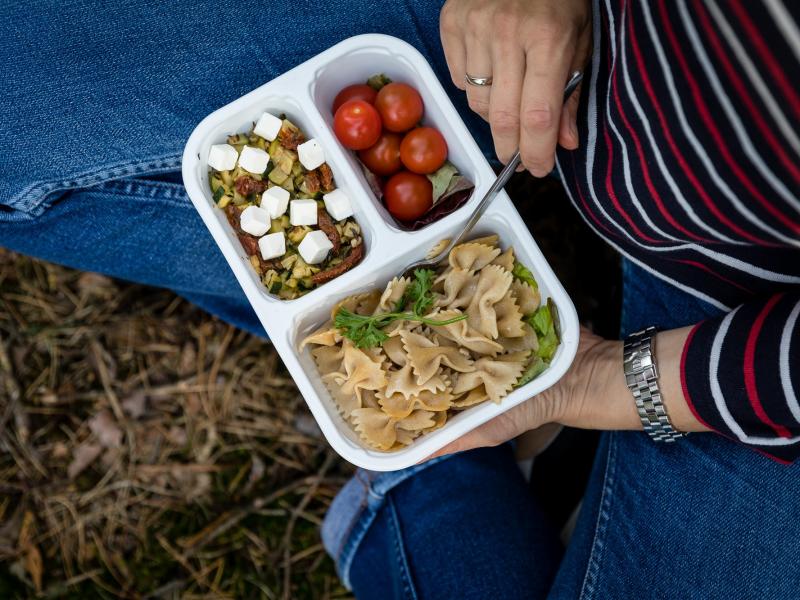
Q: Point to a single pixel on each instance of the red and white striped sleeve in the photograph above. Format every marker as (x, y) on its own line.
(741, 374)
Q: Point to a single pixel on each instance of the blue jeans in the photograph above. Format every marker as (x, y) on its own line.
(702, 518)
(100, 99)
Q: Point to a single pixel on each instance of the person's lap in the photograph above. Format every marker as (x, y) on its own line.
(102, 99)
(701, 518)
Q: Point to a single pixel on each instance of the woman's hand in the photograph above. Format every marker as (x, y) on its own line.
(592, 395)
(529, 48)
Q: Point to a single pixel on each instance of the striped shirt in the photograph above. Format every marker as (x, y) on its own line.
(689, 165)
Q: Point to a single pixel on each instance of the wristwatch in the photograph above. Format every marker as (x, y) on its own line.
(641, 375)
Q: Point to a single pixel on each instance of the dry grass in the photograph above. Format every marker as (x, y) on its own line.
(150, 450)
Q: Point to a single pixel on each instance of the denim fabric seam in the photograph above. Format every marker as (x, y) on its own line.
(598, 543)
(400, 551)
(147, 188)
(376, 489)
(159, 191)
(354, 539)
(42, 190)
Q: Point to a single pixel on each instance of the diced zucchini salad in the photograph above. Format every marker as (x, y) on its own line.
(399, 361)
(280, 197)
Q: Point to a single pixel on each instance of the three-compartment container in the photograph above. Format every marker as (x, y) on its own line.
(305, 94)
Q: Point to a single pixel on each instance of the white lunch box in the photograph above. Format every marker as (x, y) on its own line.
(305, 94)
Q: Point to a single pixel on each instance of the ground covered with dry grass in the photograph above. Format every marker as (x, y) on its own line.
(148, 450)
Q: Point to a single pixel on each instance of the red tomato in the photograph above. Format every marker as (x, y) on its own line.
(423, 150)
(400, 106)
(357, 124)
(383, 158)
(357, 91)
(408, 195)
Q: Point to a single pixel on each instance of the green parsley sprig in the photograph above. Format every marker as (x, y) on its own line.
(366, 331)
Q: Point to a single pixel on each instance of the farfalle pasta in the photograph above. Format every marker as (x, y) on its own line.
(399, 362)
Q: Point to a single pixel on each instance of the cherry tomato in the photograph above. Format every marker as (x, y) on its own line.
(357, 124)
(423, 150)
(357, 91)
(383, 158)
(400, 106)
(408, 195)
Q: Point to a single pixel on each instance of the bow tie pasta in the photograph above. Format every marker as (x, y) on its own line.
(400, 361)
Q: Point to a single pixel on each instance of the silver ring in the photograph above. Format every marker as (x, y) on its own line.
(479, 81)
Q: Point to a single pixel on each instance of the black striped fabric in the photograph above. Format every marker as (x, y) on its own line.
(689, 165)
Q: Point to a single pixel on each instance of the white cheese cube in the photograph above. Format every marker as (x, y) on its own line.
(303, 212)
(272, 245)
(255, 221)
(314, 247)
(338, 205)
(222, 157)
(275, 201)
(254, 160)
(311, 154)
(268, 126)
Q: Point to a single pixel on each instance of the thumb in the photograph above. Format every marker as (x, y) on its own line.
(568, 128)
(477, 438)
(500, 429)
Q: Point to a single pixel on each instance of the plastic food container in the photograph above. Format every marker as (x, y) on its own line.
(305, 95)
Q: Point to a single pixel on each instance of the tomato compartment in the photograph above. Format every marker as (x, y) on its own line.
(343, 78)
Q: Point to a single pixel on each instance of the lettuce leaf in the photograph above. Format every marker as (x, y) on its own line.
(535, 368)
(524, 274)
(442, 179)
(543, 324)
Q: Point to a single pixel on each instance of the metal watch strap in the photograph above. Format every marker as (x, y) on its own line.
(641, 375)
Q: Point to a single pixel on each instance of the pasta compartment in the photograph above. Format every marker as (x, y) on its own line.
(500, 219)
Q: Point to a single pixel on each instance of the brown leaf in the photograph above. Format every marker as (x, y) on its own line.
(60, 450)
(105, 429)
(83, 456)
(177, 435)
(33, 565)
(134, 405)
(32, 556)
(94, 283)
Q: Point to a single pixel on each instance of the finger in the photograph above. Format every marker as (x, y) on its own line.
(451, 34)
(568, 130)
(547, 69)
(479, 64)
(477, 438)
(505, 100)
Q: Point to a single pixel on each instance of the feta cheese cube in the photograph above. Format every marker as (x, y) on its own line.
(338, 205)
(275, 201)
(272, 245)
(314, 247)
(268, 126)
(255, 221)
(303, 212)
(222, 157)
(254, 160)
(311, 154)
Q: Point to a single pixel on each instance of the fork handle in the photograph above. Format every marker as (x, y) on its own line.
(505, 174)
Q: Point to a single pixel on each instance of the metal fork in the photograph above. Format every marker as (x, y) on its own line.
(499, 184)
